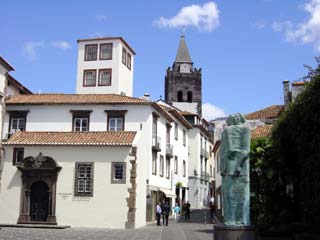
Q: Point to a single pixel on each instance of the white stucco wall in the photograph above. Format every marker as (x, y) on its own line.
(106, 208)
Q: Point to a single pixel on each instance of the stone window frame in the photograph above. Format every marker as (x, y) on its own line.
(154, 162)
(161, 164)
(15, 156)
(85, 80)
(113, 173)
(184, 169)
(110, 47)
(76, 179)
(168, 168)
(82, 114)
(124, 56)
(176, 164)
(17, 115)
(111, 114)
(109, 71)
(86, 56)
(176, 131)
(129, 60)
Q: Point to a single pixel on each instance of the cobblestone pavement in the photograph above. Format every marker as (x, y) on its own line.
(195, 229)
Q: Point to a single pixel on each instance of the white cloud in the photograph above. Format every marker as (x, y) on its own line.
(63, 45)
(205, 18)
(307, 32)
(211, 112)
(30, 49)
(258, 25)
(101, 17)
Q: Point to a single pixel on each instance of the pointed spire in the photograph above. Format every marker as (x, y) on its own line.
(183, 55)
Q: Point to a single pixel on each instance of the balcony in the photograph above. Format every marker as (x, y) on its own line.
(156, 143)
(205, 176)
(169, 150)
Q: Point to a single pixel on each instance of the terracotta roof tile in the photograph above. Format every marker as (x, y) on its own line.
(105, 138)
(185, 113)
(50, 99)
(261, 131)
(271, 112)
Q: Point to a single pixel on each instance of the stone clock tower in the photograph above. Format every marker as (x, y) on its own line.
(183, 88)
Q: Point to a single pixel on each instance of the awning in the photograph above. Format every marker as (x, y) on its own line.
(167, 192)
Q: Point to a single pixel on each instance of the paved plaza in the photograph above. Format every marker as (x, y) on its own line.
(195, 229)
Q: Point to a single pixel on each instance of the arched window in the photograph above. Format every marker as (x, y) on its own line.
(189, 96)
(180, 96)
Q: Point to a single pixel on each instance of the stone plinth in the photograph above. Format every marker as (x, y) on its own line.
(225, 232)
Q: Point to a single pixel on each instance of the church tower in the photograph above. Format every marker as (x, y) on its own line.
(183, 82)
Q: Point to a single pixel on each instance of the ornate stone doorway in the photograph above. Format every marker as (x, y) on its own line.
(39, 201)
(38, 193)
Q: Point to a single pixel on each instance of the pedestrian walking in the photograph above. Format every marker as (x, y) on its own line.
(166, 211)
(187, 209)
(211, 203)
(158, 213)
(176, 211)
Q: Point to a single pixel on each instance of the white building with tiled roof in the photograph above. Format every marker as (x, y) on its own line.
(98, 158)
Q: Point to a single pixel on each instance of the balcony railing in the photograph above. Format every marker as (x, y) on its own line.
(156, 143)
(205, 176)
(169, 150)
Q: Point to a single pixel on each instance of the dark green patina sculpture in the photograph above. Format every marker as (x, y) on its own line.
(234, 168)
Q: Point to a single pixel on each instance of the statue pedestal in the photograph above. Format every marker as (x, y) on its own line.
(225, 232)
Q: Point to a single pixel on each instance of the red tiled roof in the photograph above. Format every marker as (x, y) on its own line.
(298, 83)
(186, 113)
(180, 118)
(261, 131)
(50, 99)
(271, 112)
(105, 138)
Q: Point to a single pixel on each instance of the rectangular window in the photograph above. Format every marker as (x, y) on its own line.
(81, 120)
(184, 138)
(168, 127)
(168, 168)
(176, 131)
(129, 60)
(84, 179)
(175, 164)
(91, 52)
(115, 120)
(17, 121)
(118, 174)
(105, 77)
(89, 78)
(184, 168)
(154, 163)
(105, 51)
(124, 56)
(161, 166)
(18, 155)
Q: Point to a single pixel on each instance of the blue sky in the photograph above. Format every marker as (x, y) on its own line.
(245, 48)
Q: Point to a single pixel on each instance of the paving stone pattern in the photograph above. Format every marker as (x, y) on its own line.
(195, 229)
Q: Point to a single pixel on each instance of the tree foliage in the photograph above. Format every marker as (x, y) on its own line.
(297, 141)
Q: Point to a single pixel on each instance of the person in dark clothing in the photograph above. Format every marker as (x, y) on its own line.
(162, 209)
(187, 209)
(165, 212)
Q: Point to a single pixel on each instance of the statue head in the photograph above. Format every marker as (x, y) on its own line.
(236, 119)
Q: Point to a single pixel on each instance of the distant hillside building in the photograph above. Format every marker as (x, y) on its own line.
(183, 84)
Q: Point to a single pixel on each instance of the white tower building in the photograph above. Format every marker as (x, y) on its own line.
(105, 65)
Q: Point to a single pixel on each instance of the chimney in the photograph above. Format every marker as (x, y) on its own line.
(286, 92)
